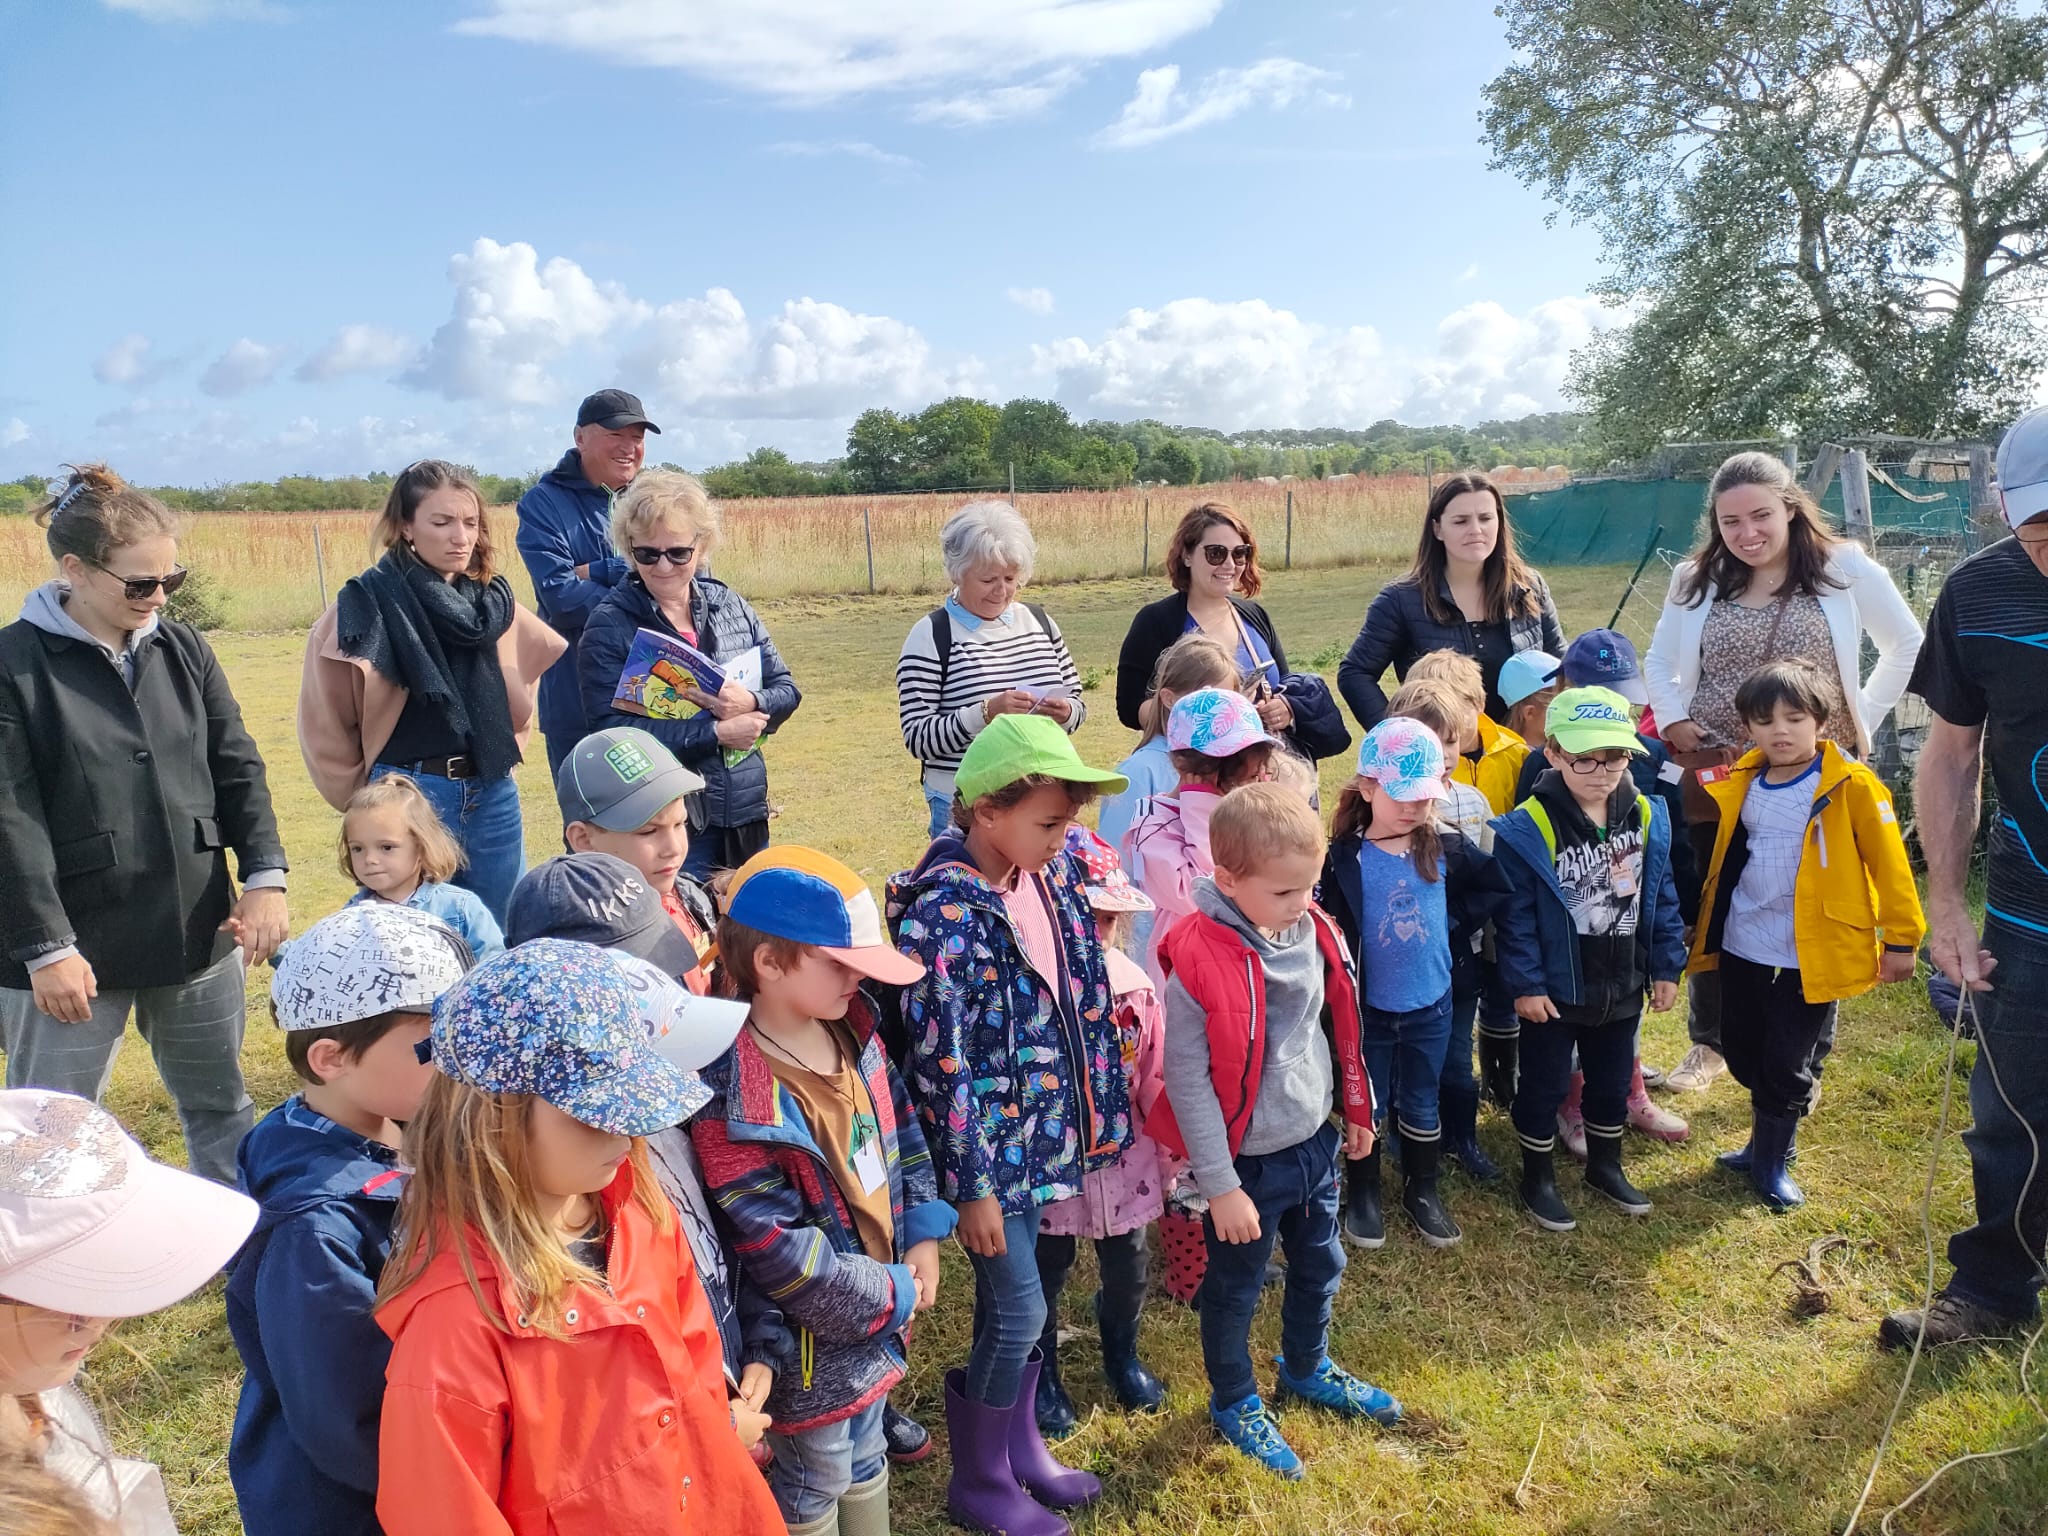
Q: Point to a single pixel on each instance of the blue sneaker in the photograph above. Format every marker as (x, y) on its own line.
(1330, 1386)
(1251, 1429)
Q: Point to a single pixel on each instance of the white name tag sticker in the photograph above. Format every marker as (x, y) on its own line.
(868, 1167)
(1670, 773)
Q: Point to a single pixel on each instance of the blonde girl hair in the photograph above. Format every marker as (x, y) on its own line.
(1457, 669)
(36, 1502)
(659, 496)
(1193, 661)
(1435, 702)
(472, 1181)
(415, 483)
(440, 855)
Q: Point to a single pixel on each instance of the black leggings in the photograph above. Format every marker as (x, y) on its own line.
(1124, 1263)
(1770, 1034)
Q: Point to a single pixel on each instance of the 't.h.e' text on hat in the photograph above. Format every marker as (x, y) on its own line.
(597, 898)
(811, 898)
(371, 957)
(620, 779)
(2023, 467)
(90, 1225)
(613, 409)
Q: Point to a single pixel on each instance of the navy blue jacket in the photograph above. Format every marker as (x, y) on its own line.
(1647, 770)
(564, 522)
(1474, 892)
(1536, 944)
(1398, 631)
(304, 1454)
(726, 626)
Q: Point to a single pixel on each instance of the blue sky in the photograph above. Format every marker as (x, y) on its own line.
(254, 237)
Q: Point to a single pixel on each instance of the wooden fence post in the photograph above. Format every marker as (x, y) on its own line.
(1289, 563)
(867, 529)
(1856, 515)
(1822, 470)
(1145, 554)
(319, 566)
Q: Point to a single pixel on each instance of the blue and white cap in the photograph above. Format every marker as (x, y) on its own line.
(1404, 758)
(2023, 467)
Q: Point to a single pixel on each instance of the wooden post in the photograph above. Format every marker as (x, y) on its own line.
(1429, 471)
(1789, 452)
(1145, 555)
(319, 566)
(1289, 562)
(867, 529)
(1822, 470)
(1987, 518)
(1856, 518)
(1013, 480)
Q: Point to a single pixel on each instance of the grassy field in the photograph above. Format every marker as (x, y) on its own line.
(1672, 1387)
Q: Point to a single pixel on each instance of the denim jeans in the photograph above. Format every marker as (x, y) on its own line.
(1459, 1078)
(483, 817)
(1122, 1260)
(813, 1467)
(1295, 1192)
(1998, 1261)
(942, 812)
(1497, 1016)
(1607, 1055)
(194, 1031)
(1009, 1313)
(1404, 1057)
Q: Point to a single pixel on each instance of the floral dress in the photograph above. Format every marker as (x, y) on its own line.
(1732, 646)
(1131, 1192)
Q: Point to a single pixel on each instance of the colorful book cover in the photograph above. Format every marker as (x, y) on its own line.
(661, 668)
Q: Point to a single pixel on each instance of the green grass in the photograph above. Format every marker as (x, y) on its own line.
(1674, 1390)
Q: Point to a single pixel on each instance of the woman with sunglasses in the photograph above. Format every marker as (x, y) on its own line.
(666, 527)
(1213, 562)
(1468, 591)
(125, 776)
(426, 666)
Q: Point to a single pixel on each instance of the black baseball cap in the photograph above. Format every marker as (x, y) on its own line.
(597, 898)
(613, 409)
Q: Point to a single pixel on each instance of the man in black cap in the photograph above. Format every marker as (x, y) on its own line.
(565, 540)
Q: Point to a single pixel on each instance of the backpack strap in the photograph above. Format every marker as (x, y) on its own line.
(942, 641)
(1541, 816)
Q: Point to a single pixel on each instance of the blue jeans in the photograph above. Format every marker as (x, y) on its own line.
(1998, 1261)
(942, 812)
(1606, 1054)
(1459, 1078)
(1295, 1191)
(483, 816)
(559, 746)
(813, 1467)
(1404, 1057)
(1497, 1016)
(1009, 1313)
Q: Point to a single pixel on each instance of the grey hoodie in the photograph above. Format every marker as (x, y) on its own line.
(1295, 1081)
(44, 608)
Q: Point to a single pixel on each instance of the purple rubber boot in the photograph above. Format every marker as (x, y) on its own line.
(983, 1493)
(1051, 1482)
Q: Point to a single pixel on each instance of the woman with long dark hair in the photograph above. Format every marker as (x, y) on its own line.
(426, 666)
(1467, 591)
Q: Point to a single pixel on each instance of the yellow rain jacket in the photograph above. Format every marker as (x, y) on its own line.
(1854, 894)
(1499, 766)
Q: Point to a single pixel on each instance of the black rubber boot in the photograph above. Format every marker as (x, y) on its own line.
(1365, 1224)
(1460, 1119)
(1136, 1389)
(1540, 1198)
(1604, 1175)
(1500, 1059)
(1051, 1406)
(1419, 1196)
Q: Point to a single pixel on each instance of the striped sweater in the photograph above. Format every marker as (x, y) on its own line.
(1015, 651)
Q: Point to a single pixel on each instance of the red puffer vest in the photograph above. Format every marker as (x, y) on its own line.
(1221, 971)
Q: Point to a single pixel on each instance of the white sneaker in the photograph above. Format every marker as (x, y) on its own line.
(1697, 1072)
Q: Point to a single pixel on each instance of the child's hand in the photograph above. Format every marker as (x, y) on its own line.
(1358, 1140)
(923, 1259)
(1537, 1008)
(750, 1424)
(1236, 1218)
(981, 1228)
(1663, 995)
(756, 1381)
(1898, 965)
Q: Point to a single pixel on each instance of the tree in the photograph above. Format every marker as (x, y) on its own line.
(1825, 216)
(1175, 462)
(1031, 430)
(879, 450)
(953, 438)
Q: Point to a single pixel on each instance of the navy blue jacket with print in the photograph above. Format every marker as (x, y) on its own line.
(1019, 1077)
(303, 1458)
(726, 625)
(565, 521)
(794, 1236)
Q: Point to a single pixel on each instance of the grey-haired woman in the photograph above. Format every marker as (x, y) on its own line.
(981, 653)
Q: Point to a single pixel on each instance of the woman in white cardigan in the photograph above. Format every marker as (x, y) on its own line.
(1768, 582)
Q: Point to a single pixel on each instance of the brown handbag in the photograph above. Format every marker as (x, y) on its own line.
(1700, 808)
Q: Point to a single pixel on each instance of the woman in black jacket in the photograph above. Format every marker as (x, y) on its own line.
(1213, 562)
(125, 776)
(1468, 591)
(666, 526)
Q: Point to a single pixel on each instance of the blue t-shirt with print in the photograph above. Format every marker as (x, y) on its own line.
(1404, 935)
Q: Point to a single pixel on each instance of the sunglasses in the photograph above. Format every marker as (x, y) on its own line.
(1217, 554)
(137, 588)
(678, 555)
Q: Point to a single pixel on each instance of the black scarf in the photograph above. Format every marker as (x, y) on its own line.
(437, 640)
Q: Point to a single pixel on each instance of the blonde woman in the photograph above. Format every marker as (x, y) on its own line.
(666, 527)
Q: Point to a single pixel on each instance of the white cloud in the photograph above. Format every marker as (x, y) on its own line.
(818, 149)
(1037, 300)
(1160, 109)
(810, 360)
(513, 318)
(243, 367)
(12, 431)
(356, 349)
(971, 109)
(1244, 364)
(828, 50)
(126, 362)
(1470, 274)
(193, 10)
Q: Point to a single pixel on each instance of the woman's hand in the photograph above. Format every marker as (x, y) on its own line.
(981, 1228)
(1275, 713)
(259, 923)
(1681, 735)
(728, 703)
(65, 989)
(1011, 701)
(741, 730)
(1057, 705)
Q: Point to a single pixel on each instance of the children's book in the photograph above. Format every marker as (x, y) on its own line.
(661, 668)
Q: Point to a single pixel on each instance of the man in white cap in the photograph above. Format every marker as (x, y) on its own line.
(1984, 673)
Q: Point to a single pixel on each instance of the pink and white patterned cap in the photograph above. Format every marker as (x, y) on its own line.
(1404, 758)
(90, 1225)
(1216, 723)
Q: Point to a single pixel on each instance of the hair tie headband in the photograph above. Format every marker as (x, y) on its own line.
(78, 489)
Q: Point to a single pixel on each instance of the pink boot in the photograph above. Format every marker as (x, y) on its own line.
(1650, 1117)
(1571, 1119)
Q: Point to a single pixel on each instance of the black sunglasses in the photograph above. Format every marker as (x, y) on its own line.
(1216, 554)
(678, 555)
(136, 588)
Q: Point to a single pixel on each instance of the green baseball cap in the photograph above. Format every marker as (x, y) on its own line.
(1013, 747)
(1590, 719)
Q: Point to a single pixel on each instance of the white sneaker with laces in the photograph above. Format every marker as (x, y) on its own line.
(1697, 1072)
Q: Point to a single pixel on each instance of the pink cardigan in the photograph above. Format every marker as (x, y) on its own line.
(348, 710)
(1130, 1192)
(1169, 853)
